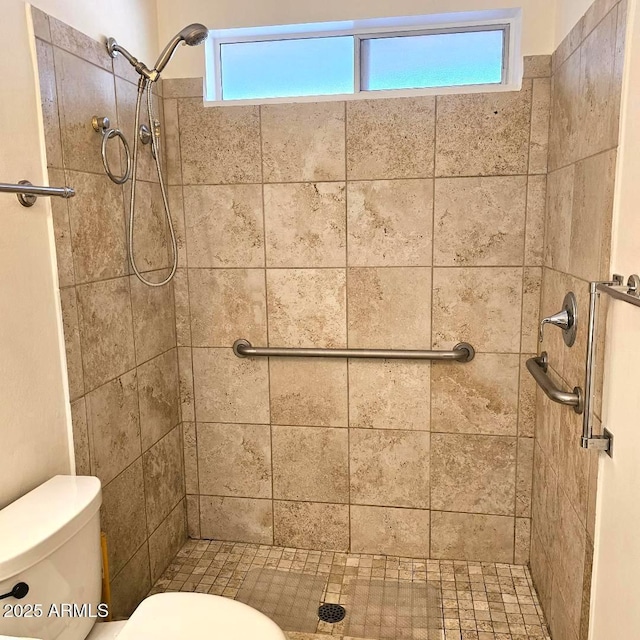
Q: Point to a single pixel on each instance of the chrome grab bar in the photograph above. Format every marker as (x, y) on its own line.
(462, 352)
(28, 194)
(538, 369)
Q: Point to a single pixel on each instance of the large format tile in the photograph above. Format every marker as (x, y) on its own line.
(114, 426)
(389, 531)
(131, 585)
(536, 210)
(389, 223)
(389, 468)
(227, 304)
(62, 232)
(469, 536)
(389, 394)
(49, 101)
(230, 389)
(474, 474)
(389, 308)
(478, 397)
(237, 519)
(600, 89)
(219, 145)
(591, 217)
(479, 221)
(311, 525)
(159, 400)
(106, 330)
(81, 45)
(390, 138)
(224, 226)
(190, 448)
(73, 350)
(84, 90)
(303, 142)
(81, 445)
(480, 134)
(163, 478)
(307, 307)
(234, 460)
(309, 391)
(167, 540)
(96, 216)
(154, 324)
(123, 515)
(477, 305)
(310, 463)
(540, 112)
(305, 224)
(558, 218)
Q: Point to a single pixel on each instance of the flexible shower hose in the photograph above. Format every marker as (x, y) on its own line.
(143, 85)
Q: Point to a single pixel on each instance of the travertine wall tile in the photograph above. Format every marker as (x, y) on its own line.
(310, 463)
(482, 134)
(303, 142)
(307, 307)
(237, 519)
(474, 474)
(224, 226)
(389, 394)
(389, 308)
(385, 530)
(230, 389)
(234, 460)
(227, 304)
(481, 397)
(311, 525)
(482, 306)
(479, 221)
(389, 223)
(389, 467)
(219, 145)
(469, 536)
(305, 224)
(113, 418)
(390, 138)
(309, 391)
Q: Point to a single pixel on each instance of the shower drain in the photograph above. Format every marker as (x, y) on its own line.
(331, 613)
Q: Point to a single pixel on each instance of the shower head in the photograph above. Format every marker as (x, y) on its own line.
(192, 35)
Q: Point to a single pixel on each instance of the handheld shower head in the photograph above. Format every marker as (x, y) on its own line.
(192, 35)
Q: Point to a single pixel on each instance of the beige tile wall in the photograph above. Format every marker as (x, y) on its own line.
(120, 335)
(397, 223)
(586, 83)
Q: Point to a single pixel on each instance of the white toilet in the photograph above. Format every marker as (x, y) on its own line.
(50, 540)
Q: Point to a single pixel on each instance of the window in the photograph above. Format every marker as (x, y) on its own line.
(373, 58)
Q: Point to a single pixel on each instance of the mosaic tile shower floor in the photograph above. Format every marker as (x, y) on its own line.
(480, 600)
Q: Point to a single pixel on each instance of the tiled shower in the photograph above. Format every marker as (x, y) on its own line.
(408, 223)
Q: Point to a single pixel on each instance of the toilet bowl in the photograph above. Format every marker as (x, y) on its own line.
(50, 542)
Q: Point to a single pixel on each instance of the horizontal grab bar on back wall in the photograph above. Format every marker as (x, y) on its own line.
(462, 352)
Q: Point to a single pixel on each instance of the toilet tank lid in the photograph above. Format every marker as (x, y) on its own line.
(34, 526)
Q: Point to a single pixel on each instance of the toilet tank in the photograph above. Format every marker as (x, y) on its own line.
(50, 540)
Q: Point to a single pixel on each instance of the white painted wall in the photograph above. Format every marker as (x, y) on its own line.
(34, 420)
(568, 12)
(538, 19)
(616, 590)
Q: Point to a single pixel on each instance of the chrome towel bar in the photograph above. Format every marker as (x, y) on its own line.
(462, 352)
(28, 194)
(538, 369)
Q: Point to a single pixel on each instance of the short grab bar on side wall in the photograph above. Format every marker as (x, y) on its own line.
(462, 352)
(538, 369)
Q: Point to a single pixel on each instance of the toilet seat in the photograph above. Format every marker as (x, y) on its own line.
(197, 616)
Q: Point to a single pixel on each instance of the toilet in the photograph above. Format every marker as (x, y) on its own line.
(50, 540)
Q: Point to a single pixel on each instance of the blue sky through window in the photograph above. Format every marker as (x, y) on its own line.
(287, 68)
(439, 60)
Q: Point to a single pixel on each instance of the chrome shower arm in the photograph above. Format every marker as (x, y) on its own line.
(113, 48)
